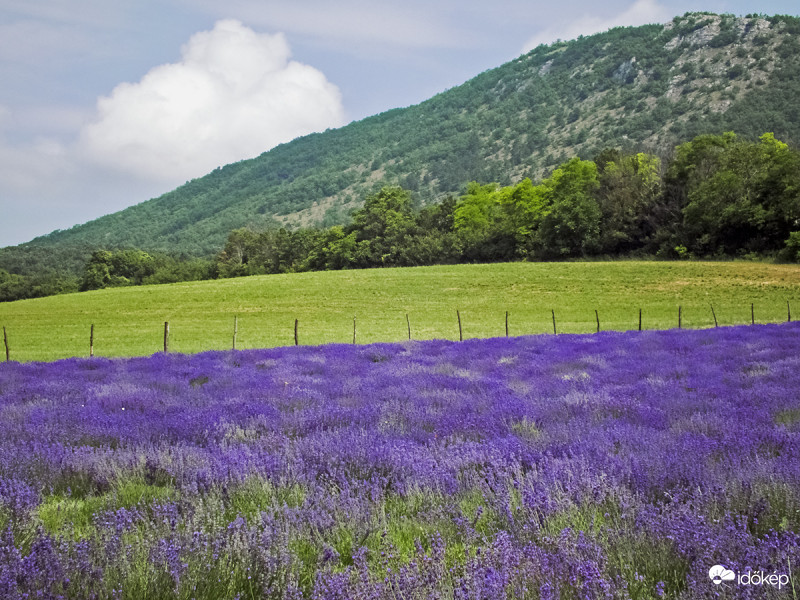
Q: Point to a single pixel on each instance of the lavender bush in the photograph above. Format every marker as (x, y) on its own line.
(616, 465)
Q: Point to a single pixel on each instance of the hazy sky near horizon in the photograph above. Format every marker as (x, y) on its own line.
(106, 104)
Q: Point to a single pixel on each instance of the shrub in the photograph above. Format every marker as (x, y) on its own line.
(792, 250)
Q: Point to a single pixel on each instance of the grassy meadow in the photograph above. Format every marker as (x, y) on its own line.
(129, 321)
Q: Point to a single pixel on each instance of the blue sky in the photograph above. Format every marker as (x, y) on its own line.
(106, 104)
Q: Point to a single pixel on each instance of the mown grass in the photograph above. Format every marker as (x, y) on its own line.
(130, 321)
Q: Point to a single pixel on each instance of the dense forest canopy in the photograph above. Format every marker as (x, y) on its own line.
(640, 89)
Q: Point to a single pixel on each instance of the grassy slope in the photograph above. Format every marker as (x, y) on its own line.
(129, 321)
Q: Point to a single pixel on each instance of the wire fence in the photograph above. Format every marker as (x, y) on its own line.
(297, 330)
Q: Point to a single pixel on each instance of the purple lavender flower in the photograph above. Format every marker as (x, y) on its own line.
(578, 466)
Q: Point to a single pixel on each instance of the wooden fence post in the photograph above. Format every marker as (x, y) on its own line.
(166, 336)
(788, 312)
(506, 323)
(640, 319)
(597, 316)
(552, 310)
(5, 341)
(354, 329)
(295, 333)
(680, 309)
(91, 340)
(408, 322)
(460, 334)
(713, 314)
(235, 329)
(752, 314)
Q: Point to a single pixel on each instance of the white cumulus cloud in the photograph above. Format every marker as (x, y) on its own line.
(640, 12)
(234, 94)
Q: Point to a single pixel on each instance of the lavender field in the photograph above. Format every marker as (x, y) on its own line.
(613, 465)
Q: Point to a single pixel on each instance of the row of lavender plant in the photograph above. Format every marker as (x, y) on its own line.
(615, 465)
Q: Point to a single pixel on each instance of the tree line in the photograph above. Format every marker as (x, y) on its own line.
(98, 269)
(717, 196)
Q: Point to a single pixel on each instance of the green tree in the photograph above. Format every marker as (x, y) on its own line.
(629, 186)
(110, 269)
(477, 209)
(13, 286)
(525, 206)
(780, 190)
(335, 249)
(383, 226)
(97, 274)
(235, 257)
(791, 250)
(740, 195)
(571, 223)
(439, 217)
(481, 221)
(132, 265)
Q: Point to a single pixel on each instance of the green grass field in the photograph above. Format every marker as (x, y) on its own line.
(130, 321)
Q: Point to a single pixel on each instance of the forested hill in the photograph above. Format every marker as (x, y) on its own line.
(641, 88)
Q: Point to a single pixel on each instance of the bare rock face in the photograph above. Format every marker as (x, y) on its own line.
(674, 42)
(545, 68)
(626, 72)
(704, 35)
(698, 37)
(751, 27)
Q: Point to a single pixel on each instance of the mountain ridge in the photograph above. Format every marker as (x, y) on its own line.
(646, 87)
